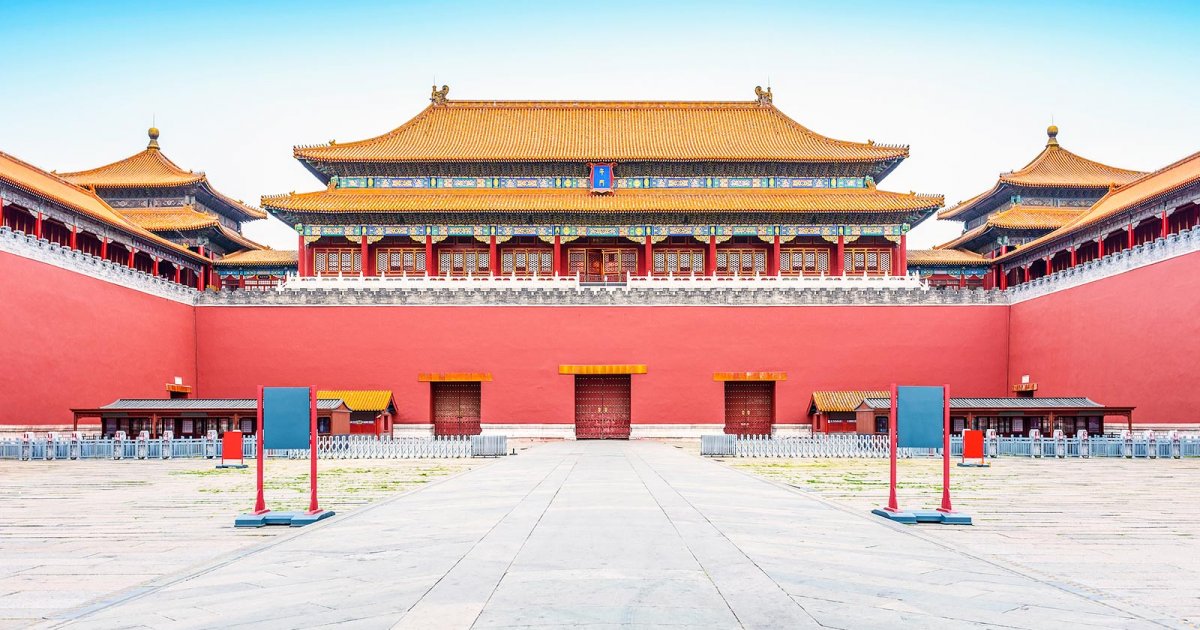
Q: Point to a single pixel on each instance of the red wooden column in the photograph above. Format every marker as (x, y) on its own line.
(104, 248)
(301, 256)
(37, 225)
(156, 266)
(1003, 277)
(774, 266)
(430, 261)
(1100, 247)
(129, 259)
(840, 260)
(1129, 236)
(365, 254)
(1165, 230)
(74, 237)
(176, 274)
(200, 279)
(648, 258)
(493, 255)
(241, 283)
(1027, 272)
(559, 267)
(1074, 257)
(710, 263)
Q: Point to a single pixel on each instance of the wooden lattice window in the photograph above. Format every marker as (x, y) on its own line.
(461, 262)
(872, 262)
(744, 262)
(804, 261)
(333, 261)
(261, 282)
(403, 261)
(679, 261)
(527, 262)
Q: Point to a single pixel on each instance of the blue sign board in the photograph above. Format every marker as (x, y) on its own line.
(286, 418)
(919, 417)
(602, 178)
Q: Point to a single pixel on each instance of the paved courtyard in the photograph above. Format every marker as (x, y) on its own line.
(633, 534)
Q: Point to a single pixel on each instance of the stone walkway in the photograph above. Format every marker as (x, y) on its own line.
(629, 534)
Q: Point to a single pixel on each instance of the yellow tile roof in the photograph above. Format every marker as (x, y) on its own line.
(944, 257)
(150, 168)
(539, 131)
(359, 399)
(1054, 167)
(1018, 218)
(845, 400)
(49, 186)
(563, 200)
(259, 258)
(1165, 181)
(183, 218)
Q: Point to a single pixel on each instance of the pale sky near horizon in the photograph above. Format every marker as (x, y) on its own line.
(970, 87)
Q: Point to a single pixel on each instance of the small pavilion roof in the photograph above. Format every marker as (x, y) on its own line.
(847, 400)
(1054, 167)
(1017, 218)
(52, 187)
(1151, 186)
(919, 257)
(259, 258)
(578, 200)
(360, 399)
(579, 131)
(150, 168)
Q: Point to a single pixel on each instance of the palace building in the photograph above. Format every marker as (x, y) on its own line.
(598, 269)
(601, 191)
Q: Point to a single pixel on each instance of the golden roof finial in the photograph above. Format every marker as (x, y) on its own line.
(153, 133)
(438, 97)
(764, 96)
(1052, 134)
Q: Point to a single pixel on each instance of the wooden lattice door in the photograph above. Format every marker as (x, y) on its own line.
(456, 408)
(602, 409)
(749, 407)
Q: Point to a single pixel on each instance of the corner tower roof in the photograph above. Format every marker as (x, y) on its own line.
(1054, 167)
(150, 168)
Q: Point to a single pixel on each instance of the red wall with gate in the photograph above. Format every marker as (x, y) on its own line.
(1130, 339)
(820, 347)
(68, 340)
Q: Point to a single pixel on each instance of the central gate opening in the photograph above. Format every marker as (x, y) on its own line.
(749, 407)
(456, 408)
(602, 407)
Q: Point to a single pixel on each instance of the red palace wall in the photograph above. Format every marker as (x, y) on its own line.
(820, 347)
(1130, 339)
(68, 340)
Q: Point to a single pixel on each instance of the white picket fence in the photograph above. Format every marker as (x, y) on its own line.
(819, 445)
(370, 447)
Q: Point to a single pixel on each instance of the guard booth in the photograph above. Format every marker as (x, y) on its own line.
(603, 400)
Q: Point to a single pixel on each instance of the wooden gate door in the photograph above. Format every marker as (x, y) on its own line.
(749, 407)
(602, 407)
(612, 265)
(456, 408)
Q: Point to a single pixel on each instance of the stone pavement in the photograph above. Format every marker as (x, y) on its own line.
(596, 534)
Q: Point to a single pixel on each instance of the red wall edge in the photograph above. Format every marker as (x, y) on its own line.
(522, 346)
(1130, 339)
(68, 340)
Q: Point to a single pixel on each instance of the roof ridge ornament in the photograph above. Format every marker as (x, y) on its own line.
(153, 133)
(1052, 135)
(438, 97)
(764, 96)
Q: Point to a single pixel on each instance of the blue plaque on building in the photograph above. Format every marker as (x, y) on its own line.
(602, 177)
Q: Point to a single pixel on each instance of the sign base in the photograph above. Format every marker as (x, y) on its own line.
(222, 466)
(288, 519)
(924, 516)
(973, 465)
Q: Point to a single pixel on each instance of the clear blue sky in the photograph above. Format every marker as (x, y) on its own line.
(970, 86)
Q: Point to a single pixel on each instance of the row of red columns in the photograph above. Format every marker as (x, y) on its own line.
(1163, 232)
(304, 265)
(38, 232)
